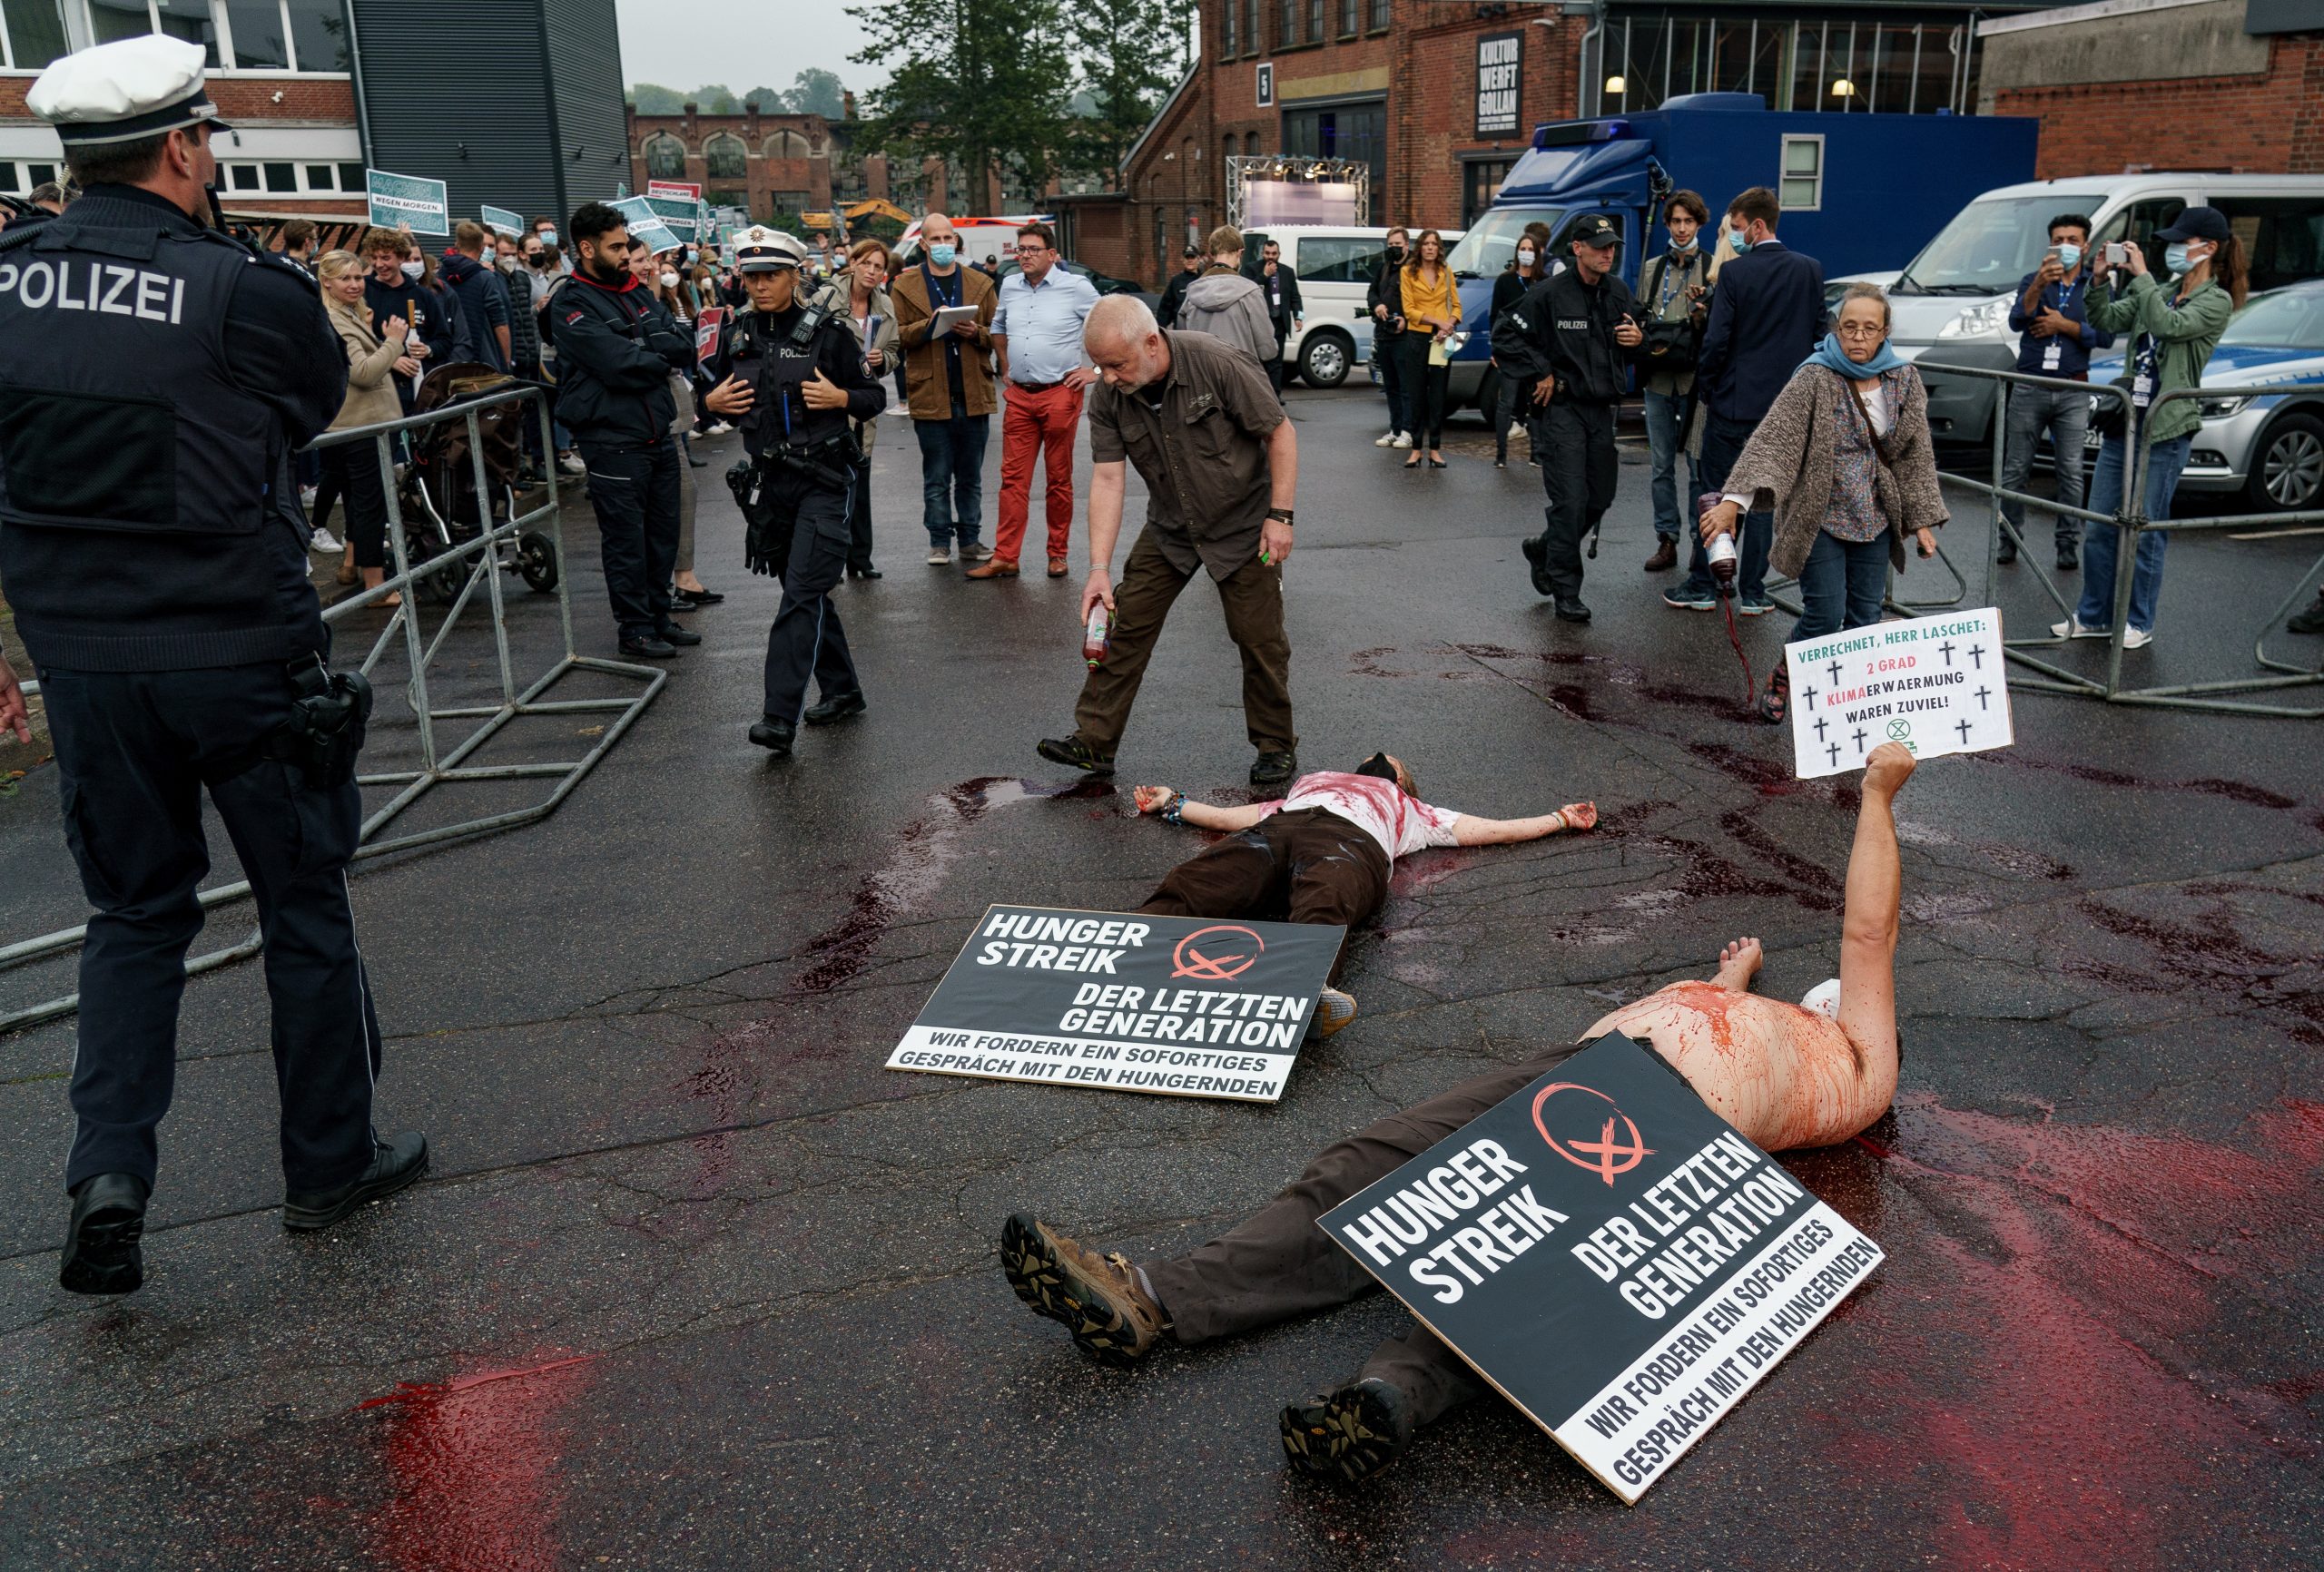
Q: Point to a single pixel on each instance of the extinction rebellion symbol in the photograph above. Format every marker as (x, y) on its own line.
(1193, 958)
(1605, 1157)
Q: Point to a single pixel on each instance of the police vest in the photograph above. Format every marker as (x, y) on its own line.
(117, 411)
(776, 365)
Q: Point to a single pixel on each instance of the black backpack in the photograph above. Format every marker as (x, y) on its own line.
(1668, 347)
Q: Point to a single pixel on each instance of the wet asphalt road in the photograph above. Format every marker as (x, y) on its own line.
(696, 1284)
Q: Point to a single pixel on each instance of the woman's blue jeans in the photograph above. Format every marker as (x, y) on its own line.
(2101, 543)
(1841, 585)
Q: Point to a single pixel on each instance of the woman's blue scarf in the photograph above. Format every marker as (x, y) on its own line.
(1832, 358)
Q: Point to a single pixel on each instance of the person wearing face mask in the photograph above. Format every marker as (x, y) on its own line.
(2056, 342)
(615, 349)
(1528, 267)
(484, 303)
(1766, 315)
(947, 388)
(1387, 328)
(2173, 331)
(560, 264)
(1673, 287)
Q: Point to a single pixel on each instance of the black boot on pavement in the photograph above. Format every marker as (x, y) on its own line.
(1571, 610)
(394, 1164)
(648, 647)
(1537, 552)
(685, 638)
(2310, 621)
(1098, 1298)
(774, 736)
(836, 709)
(1076, 753)
(1350, 1434)
(102, 1254)
(1665, 556)
(1273, 767)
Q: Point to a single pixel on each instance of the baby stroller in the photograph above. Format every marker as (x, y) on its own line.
(438, 490)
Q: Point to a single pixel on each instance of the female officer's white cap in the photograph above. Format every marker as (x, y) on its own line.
(138, 88)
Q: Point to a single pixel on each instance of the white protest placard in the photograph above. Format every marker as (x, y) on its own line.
(1937, 684)
(646, 225)
(680, 189)
(506, 220)
(413, 200)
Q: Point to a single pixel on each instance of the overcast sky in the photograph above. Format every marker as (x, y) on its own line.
(743, 44)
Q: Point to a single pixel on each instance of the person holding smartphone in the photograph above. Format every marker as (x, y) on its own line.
(2176, 328)
(2055, 338)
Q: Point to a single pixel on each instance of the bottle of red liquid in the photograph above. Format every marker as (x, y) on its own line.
(1097, 635)
(1720, 553)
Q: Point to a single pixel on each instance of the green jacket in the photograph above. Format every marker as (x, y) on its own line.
(2184, 340)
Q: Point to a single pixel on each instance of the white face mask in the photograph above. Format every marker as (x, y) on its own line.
(669, 280)
(413, 270)
(1525, 255)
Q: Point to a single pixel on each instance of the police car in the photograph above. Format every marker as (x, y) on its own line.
(2267, 444)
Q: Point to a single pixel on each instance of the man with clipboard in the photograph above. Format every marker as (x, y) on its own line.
(943, 328)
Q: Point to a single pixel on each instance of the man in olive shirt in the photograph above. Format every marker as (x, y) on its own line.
(1221, 466)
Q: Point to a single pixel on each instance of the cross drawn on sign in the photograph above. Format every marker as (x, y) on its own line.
(1607, 1157)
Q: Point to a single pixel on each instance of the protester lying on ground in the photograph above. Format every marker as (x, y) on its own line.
(1785, 1076)
(1322, 853)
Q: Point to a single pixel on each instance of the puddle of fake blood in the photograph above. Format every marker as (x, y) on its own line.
(2047, 1361)
(2241, 791)
(2211, 953)
(471, 1464)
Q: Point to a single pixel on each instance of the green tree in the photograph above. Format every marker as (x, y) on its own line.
(980, 84)
(765, 100)
(1131, 52)
(715, 99)
(816, 92)
(653, 98)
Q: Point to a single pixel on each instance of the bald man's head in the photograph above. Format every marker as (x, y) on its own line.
(1121, 339)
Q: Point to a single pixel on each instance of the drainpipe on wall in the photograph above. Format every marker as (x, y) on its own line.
(355, 63)
(1586, 96)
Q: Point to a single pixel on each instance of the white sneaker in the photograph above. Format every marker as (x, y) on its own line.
(571, 463)
(322, 543)
(1404, 439)
(307, 497)
(898, 408)
(2071, 628)
(939, 557)
(717, 429)
(1385, 439)
(2137, 638)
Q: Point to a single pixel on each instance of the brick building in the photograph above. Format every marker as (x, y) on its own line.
(2121, 85)
(1439, 98)
(767, 163)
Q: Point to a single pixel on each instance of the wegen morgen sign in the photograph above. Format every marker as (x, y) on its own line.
(1184, 1006)
(1613, 1257)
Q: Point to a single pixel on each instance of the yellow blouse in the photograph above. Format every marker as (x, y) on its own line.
(1441, 304)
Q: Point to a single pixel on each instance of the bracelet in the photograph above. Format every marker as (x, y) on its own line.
(1170, 815)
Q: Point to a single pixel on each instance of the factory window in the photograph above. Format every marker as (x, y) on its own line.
(1803, 174)
(726, 158)
(665, 157)
(32, 33)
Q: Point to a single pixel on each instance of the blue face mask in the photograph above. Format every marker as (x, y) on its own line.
(2175, 258)
(2069, 257)
(548, 237)
(942, 255)
(1736, 241)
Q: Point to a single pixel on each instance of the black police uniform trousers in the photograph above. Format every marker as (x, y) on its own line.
(134, 750)
(806, 522)
(1578, 470)
(633, 486)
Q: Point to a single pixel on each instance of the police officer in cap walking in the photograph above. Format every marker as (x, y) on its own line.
(791, 374)
(154, 375)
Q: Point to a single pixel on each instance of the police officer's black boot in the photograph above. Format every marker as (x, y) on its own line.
(837, 708)
(394, 1164)
(1536, 548)
(774, 736)
(102, 1254)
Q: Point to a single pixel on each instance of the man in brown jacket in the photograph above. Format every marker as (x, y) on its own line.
(948, 386)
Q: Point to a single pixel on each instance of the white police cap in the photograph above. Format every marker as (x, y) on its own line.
(760, 250)
(121, 92)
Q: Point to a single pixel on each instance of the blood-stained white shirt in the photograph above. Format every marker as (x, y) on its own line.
(1401, 822)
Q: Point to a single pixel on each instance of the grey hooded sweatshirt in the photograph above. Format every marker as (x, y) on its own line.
(1233, 310)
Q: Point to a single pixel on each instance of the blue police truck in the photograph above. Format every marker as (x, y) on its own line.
(1860, 193)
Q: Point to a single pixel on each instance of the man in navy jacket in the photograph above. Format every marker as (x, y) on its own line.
(1766, 315)
(483, 304)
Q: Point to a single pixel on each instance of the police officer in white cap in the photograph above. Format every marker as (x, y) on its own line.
(791, 374)
(153, 377)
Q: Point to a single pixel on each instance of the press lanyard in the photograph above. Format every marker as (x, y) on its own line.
(2149, 354)
(2053, 353)
(1662, 307)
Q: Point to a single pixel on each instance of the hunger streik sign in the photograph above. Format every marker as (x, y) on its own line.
(1185, 1007)
(1937, 684)
(1611, 1255)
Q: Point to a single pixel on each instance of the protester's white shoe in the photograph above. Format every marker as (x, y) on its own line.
(898, 408)
(717, 429)
(1404, 439)
(2137, 638)
(1385, 439)
(322, 543)
(2074, 628)
(571, 463)
(307, 497)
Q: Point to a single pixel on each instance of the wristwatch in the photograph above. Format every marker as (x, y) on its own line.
(1280, 515)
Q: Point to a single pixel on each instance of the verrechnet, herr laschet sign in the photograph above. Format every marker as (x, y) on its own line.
(1937, 684)
(1187, 1006)
(1614, 1258)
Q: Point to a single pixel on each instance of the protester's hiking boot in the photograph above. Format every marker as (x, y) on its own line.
(835, 709)
(1536, 548)
(1571, 610)
(1272, 767)
(774, 736)
(1098, 1298)
(1077, 754)
(1687, 598)
(2069, 557)
(1665, 556)
(394, 1164)
(102, 1254)
(1350, 1434)
(2310, 621)
(1333, 1009)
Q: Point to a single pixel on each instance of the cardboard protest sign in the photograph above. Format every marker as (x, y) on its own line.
(504, 220)
(408, 200)
(705, 331)
(678, 214)
(685, 189)
(1182, 1006)
(1937, 684)
(645, 225)
(1612, 1256)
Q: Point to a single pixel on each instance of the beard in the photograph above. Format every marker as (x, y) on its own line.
(610, 275)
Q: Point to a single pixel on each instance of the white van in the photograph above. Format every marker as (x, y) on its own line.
(1334, 265)
(1950, 306)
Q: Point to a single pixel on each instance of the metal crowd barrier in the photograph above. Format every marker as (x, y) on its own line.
(2131, 520)
(479, 561)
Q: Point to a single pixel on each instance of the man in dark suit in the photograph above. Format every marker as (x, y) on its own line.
(1766, 315)
(1286, 309)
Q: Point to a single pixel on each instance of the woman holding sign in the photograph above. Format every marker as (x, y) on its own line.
(1844, 453)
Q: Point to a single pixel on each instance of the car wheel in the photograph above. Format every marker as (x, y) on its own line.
(2288, 466)
(1325, 359)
